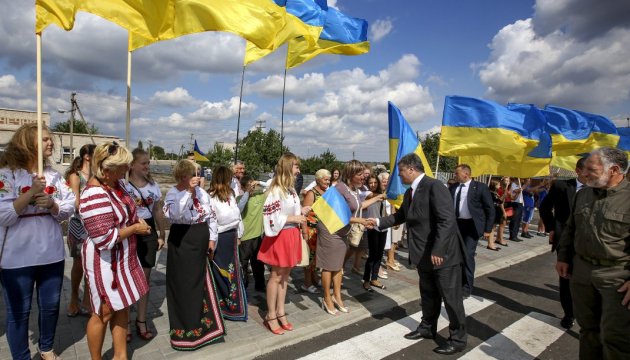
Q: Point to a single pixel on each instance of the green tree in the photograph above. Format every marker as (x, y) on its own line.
(157, 152)
(431, 145)
(326, 160)
(260, 151)
(79, 127)
(218, 155)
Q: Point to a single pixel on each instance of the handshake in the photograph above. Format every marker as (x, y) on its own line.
(369, 223)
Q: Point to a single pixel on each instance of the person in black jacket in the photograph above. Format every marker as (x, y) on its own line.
(554, 212)
(436, 247)
(474, 211)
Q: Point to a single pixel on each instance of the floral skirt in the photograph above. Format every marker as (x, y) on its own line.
(228, 277)
(193, 307)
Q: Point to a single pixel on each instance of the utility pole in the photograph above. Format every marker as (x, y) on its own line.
(353, 155)
(260, 124)
(150, 145)
(74, 107)
(192, 142)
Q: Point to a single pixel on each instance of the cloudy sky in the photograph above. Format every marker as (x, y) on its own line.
(571, 53)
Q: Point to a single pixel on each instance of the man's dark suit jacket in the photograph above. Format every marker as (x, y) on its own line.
(556, 207)
(480, 206)
(431, 225)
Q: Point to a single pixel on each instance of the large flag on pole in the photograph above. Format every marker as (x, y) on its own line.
(199, 156)
(402, 141)
(305, 18)
(332, 210)
(342, 35)
(624, 140)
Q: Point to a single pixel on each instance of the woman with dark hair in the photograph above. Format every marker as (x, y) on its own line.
(77, 177)
(110, 261)
(147, 196)
(335, 176)
(332, 248)
(225, 264)
(193, 308)
(31, 254)
(376, 238)
(281, 247)
(499, 215)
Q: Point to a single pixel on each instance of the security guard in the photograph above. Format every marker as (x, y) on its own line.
(597, 238)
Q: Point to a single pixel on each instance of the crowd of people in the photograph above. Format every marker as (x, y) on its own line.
(116, 218)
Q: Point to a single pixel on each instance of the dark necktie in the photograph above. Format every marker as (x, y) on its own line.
(458, 199)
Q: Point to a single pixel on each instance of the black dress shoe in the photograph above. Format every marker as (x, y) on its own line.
(419, 334)
(567, 322)
(448, 349)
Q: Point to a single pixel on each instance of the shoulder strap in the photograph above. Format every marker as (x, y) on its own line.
(140, 192)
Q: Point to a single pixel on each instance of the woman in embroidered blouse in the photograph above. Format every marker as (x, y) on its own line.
(147, 195)
(77, 176)
(225, 265)
(31, 253)
(281, 247)
(322, 181)
(193, 308)
(110, 262)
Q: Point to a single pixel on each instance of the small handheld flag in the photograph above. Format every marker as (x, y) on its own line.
(333, 210)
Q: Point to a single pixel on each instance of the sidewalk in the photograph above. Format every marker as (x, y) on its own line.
(246, 340)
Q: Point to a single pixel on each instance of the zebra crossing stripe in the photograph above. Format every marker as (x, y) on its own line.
(523, 340)
(388, 339)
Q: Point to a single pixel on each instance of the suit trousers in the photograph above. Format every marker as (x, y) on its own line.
(603, 320)
(565, 297)
(471, 239)
(515, 221)
(439, 285)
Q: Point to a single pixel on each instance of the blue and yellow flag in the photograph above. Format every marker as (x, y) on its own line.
(494, 139)
(402, 141)
(342, 35)
(199, 156)
(305, 18)
(624, 140)
(332, 210)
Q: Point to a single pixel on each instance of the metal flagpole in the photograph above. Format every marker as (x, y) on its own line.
(284, 87)
(128, 120)
(40, 130)
(238, 121)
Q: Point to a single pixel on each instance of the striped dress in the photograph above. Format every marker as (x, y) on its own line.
(111, 266)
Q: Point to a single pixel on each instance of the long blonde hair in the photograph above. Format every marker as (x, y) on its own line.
(283, 180)
(22, 148)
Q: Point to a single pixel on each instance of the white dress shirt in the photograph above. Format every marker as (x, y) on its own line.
(464, 212)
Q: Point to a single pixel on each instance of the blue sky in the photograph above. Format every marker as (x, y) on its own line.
(572, 53)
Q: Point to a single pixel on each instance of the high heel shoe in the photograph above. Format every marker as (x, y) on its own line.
(276, 331)
(288, 326)
(325, 307)
(146, 334)
(343, 309)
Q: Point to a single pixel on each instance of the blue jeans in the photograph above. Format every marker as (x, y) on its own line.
(18, 287)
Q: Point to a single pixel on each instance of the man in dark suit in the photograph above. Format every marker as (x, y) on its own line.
(474, 211)
(554, 212)
(436, 248)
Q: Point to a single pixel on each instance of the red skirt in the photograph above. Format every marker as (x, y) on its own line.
(284, 250)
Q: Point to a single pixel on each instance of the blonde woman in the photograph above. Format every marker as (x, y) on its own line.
(31, 255)
(281, 247)
(110, 261)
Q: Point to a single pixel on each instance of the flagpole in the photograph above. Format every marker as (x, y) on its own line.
(238, 121)
(128, 118)
(284, 87)
(437, 166)
(40, 130)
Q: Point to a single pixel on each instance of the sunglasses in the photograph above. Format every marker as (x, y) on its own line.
(111, 150)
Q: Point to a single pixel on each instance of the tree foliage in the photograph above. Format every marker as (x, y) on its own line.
(260, 151)
(326, 160)
(431, 145)
(79, 127)
(218, 155)
(157, 152)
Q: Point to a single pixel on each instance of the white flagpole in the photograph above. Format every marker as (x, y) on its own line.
(128, 118)
(437, 166)
(40, 150)
(238, 121)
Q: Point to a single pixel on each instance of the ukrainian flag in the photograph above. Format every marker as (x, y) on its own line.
(199, 156)
(305, 18)
(494, 139)
(575, 133)
(402, 141)
(624, 140)
(332, 210)
(342, 35)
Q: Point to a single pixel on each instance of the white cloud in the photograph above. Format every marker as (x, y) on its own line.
(572, 53)
(380, 28)
(224, 110)
(178, 97)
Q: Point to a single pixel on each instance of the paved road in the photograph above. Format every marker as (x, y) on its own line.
(512, 315)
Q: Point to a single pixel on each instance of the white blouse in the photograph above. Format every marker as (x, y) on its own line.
(151, 194)
(228, 216)
(181, 208)
(277, 208)
(33, 237)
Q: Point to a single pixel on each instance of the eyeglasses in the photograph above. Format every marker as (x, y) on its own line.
(111, 150)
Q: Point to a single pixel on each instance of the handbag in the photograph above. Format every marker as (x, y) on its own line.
(76, 229)
(356, 231)
(509, 212)
(305, 253)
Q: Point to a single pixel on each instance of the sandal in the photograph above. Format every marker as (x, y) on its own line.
(288, 326)
(493, 249)
(311, 289)
(276, 331)
(49, 355)
(367, 287)
(146, 334)
(377, 284)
